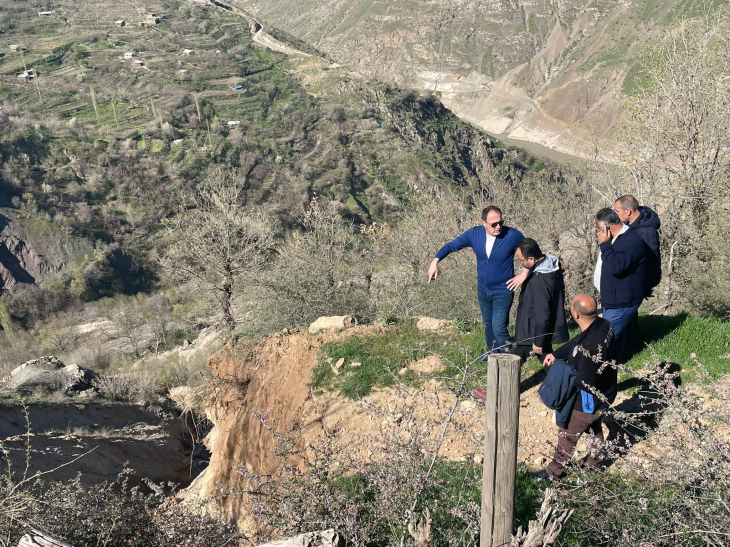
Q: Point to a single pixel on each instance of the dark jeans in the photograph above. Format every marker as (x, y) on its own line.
(524, 352)
(495, 308)
(620, 318)
(579, 423)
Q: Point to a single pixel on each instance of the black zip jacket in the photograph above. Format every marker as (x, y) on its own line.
(541, 308)
(596, 340)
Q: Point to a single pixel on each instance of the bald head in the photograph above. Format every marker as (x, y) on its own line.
(585, 306)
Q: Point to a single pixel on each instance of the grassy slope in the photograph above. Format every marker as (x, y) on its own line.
(684, 340)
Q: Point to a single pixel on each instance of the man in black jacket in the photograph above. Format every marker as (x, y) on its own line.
(541, 306)
(588, 352)
(620, 273)
(645, 222)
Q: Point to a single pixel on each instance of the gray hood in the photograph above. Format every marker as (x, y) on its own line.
(549, 265)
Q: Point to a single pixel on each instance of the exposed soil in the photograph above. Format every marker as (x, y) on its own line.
(102, 438)
(271, 382)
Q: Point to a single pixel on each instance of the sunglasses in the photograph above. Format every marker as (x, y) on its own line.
(498, 223)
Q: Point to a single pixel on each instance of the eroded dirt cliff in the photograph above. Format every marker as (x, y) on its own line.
(272, 381)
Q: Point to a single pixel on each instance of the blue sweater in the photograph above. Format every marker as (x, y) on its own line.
(493, 272)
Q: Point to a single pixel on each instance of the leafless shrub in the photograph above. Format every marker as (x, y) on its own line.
(322, 270)
(127, 388)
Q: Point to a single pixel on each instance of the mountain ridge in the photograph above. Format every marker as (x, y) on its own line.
(554, 74)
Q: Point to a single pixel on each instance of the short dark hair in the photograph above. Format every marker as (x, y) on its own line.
(628, 201)
(608, 216)
(490, 209)
(529, 248)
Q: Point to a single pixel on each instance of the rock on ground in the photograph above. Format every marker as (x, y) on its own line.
(327, 538)
(430, 324)
(332, 323)
(51, 374)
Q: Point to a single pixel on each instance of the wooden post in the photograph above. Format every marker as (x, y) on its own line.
(500, 449)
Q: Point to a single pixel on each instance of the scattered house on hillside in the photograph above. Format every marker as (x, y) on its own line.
(138, 63)
(120, 23)
(188, 52)
(183, 71)
(15, 47)
(239, 86)
(176, 142)
(231, 123)
(45, 14)
(26, 75)
(217, 51)
(130, 54)
(82, 90)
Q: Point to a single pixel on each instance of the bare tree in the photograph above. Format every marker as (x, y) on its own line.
(128, 321)
(158, 316)
(679, 154)
(215, 237)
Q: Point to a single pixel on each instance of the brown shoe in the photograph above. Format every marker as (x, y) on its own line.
(480, 393)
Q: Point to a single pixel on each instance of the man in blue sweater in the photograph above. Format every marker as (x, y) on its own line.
(494, 245)
(620, 273)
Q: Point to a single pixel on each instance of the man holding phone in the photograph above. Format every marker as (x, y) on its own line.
(494, 245)
(620, 274)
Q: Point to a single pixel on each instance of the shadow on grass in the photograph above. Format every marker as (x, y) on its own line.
(645, 404)
(649, 329)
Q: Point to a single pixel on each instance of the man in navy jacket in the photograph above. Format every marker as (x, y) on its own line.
(620, 273)
(646, 223)
(494, 245)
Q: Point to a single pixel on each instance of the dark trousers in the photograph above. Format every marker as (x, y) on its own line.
(620, 318)
(524, 352)
(579, 423)
(495, 308)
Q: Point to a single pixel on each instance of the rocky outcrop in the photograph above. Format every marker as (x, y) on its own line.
(50, 374)
(31, 249)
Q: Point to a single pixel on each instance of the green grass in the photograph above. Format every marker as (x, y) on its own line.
(455, 485)
(682, 339)
(382, 356)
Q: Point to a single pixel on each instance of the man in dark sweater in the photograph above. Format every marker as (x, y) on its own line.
(596, 383)
(541, 305)
(620, 273)
(494, 245)
(645, 222)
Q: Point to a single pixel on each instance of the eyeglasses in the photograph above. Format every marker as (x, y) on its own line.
(495, 224)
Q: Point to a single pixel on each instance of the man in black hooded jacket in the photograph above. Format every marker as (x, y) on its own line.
(541, 307)
(645, 222)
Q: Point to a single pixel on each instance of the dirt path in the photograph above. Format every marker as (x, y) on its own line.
(265, 39)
